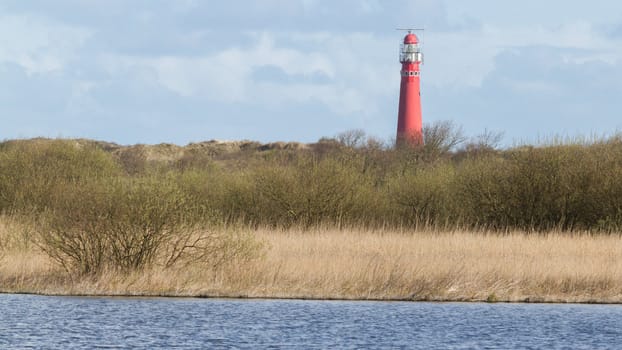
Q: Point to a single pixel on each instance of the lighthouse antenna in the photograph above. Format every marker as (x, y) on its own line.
(410, 30)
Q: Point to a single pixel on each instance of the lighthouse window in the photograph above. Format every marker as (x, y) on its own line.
(410, 48)
(409, 73)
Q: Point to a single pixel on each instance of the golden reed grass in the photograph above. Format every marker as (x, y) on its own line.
(352, 264)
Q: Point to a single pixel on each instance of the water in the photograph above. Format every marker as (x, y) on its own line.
(64, 323)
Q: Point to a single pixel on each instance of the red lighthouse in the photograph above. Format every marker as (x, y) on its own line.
(409, 124)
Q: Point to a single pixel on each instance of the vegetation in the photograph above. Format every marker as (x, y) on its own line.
(361, 264)
(76, 203)
(96, 208)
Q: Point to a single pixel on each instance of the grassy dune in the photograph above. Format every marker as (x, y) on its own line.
(359, 264)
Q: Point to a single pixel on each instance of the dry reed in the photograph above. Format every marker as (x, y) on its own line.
(352, 264)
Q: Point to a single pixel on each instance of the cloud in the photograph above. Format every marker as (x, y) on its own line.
(37, 44)
(535, 91)
(240, 15)
(466, 58)
(351, 73)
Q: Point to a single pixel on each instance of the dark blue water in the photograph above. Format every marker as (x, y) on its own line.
(64, 323)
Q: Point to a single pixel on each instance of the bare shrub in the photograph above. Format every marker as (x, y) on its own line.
(481, 145)
(212, 248)
(127, 225)
(441, 137)
(352, 138)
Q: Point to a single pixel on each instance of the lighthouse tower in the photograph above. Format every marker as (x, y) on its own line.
(409, 124)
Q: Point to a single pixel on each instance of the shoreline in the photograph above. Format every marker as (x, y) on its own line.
(302, 298)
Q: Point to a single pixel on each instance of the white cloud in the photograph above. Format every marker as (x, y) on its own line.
(38, 45)
(466, 58)
(353, 72)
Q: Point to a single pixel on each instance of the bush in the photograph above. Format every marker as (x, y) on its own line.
(133, 159)
(351, 180)
(127, 225)
(424, 196)
(30, 170)
(481, 188)
(227, 194)
(312, 192)
(440, 138)
(568, 187)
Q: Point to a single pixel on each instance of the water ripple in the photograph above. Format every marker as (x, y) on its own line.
(34, 322)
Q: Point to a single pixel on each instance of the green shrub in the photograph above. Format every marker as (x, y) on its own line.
(480, 190)
(352, 180)
(310, 193)
(424, 196)
(557, 187)
(228, 194)
(30, 170)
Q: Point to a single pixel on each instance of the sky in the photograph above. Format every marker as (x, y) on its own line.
(181, 71)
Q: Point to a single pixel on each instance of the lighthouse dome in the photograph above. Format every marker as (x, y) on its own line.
(411, 39)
